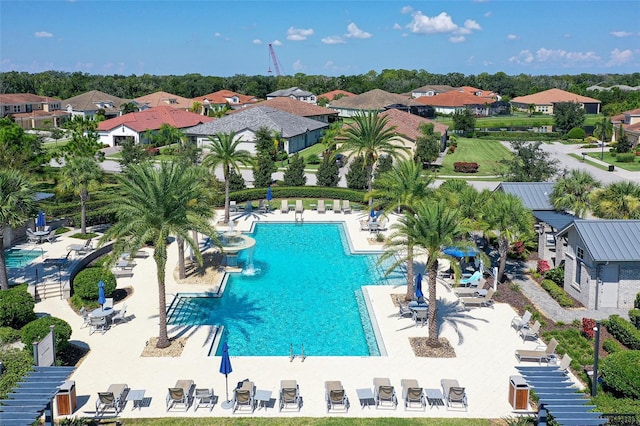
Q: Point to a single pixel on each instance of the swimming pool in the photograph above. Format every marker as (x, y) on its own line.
(306, 291)
(18, 258)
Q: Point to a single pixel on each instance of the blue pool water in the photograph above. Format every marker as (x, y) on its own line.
(17, 258)
(306, 291)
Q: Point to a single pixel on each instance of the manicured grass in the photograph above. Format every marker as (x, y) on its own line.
(608, 158)
(295, 421)
(517, 120)
(591, 163)
(486, 153)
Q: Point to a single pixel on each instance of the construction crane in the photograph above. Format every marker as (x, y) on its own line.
(274, 59)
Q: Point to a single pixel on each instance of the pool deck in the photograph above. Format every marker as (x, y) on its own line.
(483, 363)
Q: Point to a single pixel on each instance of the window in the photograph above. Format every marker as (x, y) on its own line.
(580, 253)
(578, 273)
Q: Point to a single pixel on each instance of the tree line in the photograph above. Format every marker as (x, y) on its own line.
(65, 85)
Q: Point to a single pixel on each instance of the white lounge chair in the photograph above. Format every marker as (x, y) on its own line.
(180, 394)
(412, 394)
(284, 206)
(113, 398)
(336, 206)
(299, 207)
(321, 206)
(243, 396)
(335, 396)
(518, 322)
(384, 393)
(346, 206)
(289, 395)
(531, 332)
(540, 353)
(453, 392)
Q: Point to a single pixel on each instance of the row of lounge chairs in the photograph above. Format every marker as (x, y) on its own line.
(524, 328)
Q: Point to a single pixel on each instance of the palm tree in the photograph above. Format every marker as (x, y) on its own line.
(370, 136)
(432, 227)
(603, 131)
(16, 206)
(80, 175)
(509, 219)
(572, 192)
(618, 200)
(224, 152)
(158, 203)
(403, 187)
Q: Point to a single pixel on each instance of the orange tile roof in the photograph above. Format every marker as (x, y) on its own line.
(26, 98)
(408, 125)
(221, 97)
(153, 118)
(332, 94)
(164, 98)
(295, 107)
(620, 117)
(552, 96)
(453, 99)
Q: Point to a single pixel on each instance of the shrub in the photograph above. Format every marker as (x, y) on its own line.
(634, 317)
(16, 307)
(8, 335)
(543, 267)
(169, 150)
(16, 364)
(626, 158)
(620, 373)
(587, 327)
(624, 331)
(557, 293)
(611, 345)
(452, 149)
(61, 230)
(556, 275)
(636, 302)
(85, 284)
(464, 167)
(313, 159)
(576, 133)
(38, 329)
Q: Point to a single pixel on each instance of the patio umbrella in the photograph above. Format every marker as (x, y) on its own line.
(225, 368)
(459, 252)
(101, 299)
(41, 221)
(419, 294)
(269, 196)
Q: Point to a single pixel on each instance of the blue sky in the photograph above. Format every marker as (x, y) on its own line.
(224, 38)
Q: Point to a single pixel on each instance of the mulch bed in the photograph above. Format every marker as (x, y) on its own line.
(173, 350)
(422, 349)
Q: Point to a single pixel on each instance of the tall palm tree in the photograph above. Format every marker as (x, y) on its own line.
(370, 136)
(431, 228)
(603, 130)
(80, 175)
(402, 188)
(572, 192)
(224, 152)
(506, 216)
(618, 200)
(16, 206)
(158, 203)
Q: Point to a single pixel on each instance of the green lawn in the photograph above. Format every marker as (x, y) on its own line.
(591, 163)
(608, 158)
(295, 421)
(518, 120)
(486, 153)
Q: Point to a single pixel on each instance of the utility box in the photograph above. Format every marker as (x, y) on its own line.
(66, 398)
(518, 393)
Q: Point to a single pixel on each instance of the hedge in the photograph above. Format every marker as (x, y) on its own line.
(611, 345)
(299, 192)
(85, 284)
(634, 317)
(38, 329)
(624, 331)
(557, 293)
(620, 373)
(16, 364)
(16, 307)
(8, 335)
(464, 167)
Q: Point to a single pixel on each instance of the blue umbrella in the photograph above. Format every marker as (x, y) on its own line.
(419, 294)
(269, 194)
(225, 368)
(41, 221)
(459, 252)
(101, 299)
(373, 213)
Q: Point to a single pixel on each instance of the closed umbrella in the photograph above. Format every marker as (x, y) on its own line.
(269, 197)
(41, 220)
(225, 368)
(101, 299)
(419, 294)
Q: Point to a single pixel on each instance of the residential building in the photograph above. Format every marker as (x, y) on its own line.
(630, 122)
(88, 104)
(545, 101)
(378, 100)
(295, 93)
(32, 111)
(431, 90)
(298, 132)
(407, 127)
(335, 94)
(218, 101)
(303, 109)
(162, 99)
(454, 101)
(133, 126)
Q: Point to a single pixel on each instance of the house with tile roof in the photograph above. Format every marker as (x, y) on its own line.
(407, 128)
(162, 99)
(32, 111)
(298, 132)
(455, 101)
(335, 94)
(303, 109)
(378, 100)
(218, 101)
(431, 90)
(295, 93)
(602, 262)
(88, 104)
(133, 126)
(630, 123)
(545, 101)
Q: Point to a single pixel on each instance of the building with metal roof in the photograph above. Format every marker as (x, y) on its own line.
(534, 195)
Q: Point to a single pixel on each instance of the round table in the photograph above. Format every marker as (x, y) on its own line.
(102, 312)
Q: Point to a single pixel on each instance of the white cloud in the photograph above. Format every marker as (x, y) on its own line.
(333, 40)
(556, 56)
(297, 66)
(397, 26)
(257, 41)
(355, 32)
(43, 34)
(524, 57)
(276, 43)
(621, 33)
(619, 57)
(472, 25)
(406, 9)
(422, 24)
(84, 65)
(487, 63)
(298, 34)
(457, 39)
(488, 14)
(512, 37)
(217, 35)
(328, 64)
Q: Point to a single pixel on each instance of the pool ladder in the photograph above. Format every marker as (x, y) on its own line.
(293, 356)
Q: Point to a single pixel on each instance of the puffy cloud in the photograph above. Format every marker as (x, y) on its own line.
(557, 56)
(298, 34)
(355, 32)
(217, 34)
(512, 37)
(397, 26)
(297, 65)
(524, 57)
(406, 9)
(621, 33)
(488, 14)
(276, 43)
(333, 40)
(257, 41)
(619, 57)
(422, 24)
(472, 25)
(457, 39)
(43, 34)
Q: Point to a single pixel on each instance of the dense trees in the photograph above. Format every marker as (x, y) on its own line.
(464, 121)
(529, 163)
(427, 144)
(567, 115)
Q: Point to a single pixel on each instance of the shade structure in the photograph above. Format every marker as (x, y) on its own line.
(373, 213)
(101, 299)
(41, 220)
(225, 368)
(419, 294)
(269, 194)
(460, 252)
